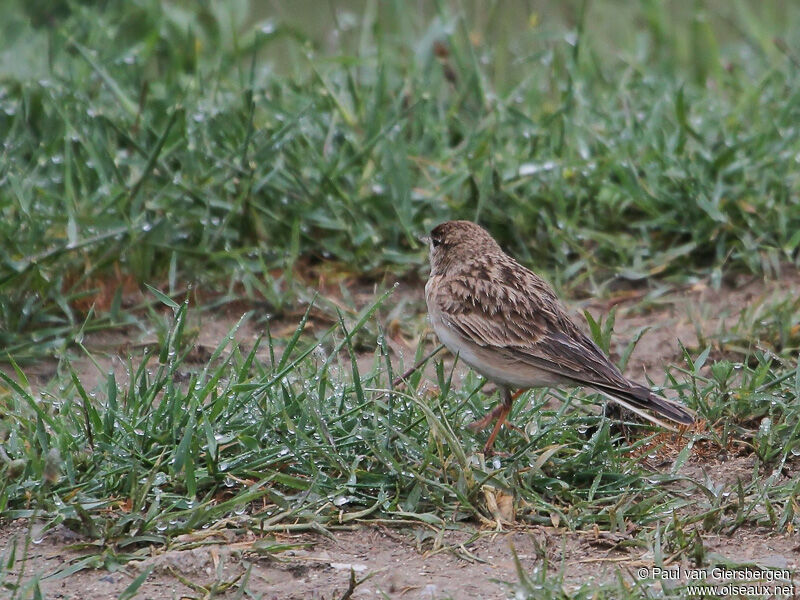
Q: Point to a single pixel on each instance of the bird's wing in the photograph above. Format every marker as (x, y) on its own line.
(504, 317)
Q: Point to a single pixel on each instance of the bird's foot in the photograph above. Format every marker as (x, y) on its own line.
(483, 422)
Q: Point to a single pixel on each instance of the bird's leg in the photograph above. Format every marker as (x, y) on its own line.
(498, 410)
(502, 412)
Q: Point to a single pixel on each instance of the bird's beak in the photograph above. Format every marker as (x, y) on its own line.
(425, 239)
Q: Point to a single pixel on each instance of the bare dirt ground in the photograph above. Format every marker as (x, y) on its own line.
(407, 564)
(414, 563)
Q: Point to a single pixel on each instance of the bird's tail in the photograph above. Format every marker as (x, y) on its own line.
(640, 399)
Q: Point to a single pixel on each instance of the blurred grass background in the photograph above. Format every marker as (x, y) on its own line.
(216, 145)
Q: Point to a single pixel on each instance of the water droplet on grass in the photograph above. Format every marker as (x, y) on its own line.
(527, 169)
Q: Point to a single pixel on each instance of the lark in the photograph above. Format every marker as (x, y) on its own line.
(507, 323)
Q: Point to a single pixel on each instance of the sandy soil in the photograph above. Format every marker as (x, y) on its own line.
(396, 563)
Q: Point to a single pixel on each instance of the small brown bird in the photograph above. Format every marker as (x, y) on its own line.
(507, 323)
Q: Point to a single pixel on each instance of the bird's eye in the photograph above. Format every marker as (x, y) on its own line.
(435, 241)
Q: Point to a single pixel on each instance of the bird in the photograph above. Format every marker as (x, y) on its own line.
(508, 324)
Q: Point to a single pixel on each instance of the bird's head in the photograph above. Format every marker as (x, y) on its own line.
(454, 242)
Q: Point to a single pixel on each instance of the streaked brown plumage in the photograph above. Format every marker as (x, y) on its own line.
(507, 323)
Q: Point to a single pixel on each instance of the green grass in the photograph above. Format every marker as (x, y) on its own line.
(218, 157)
